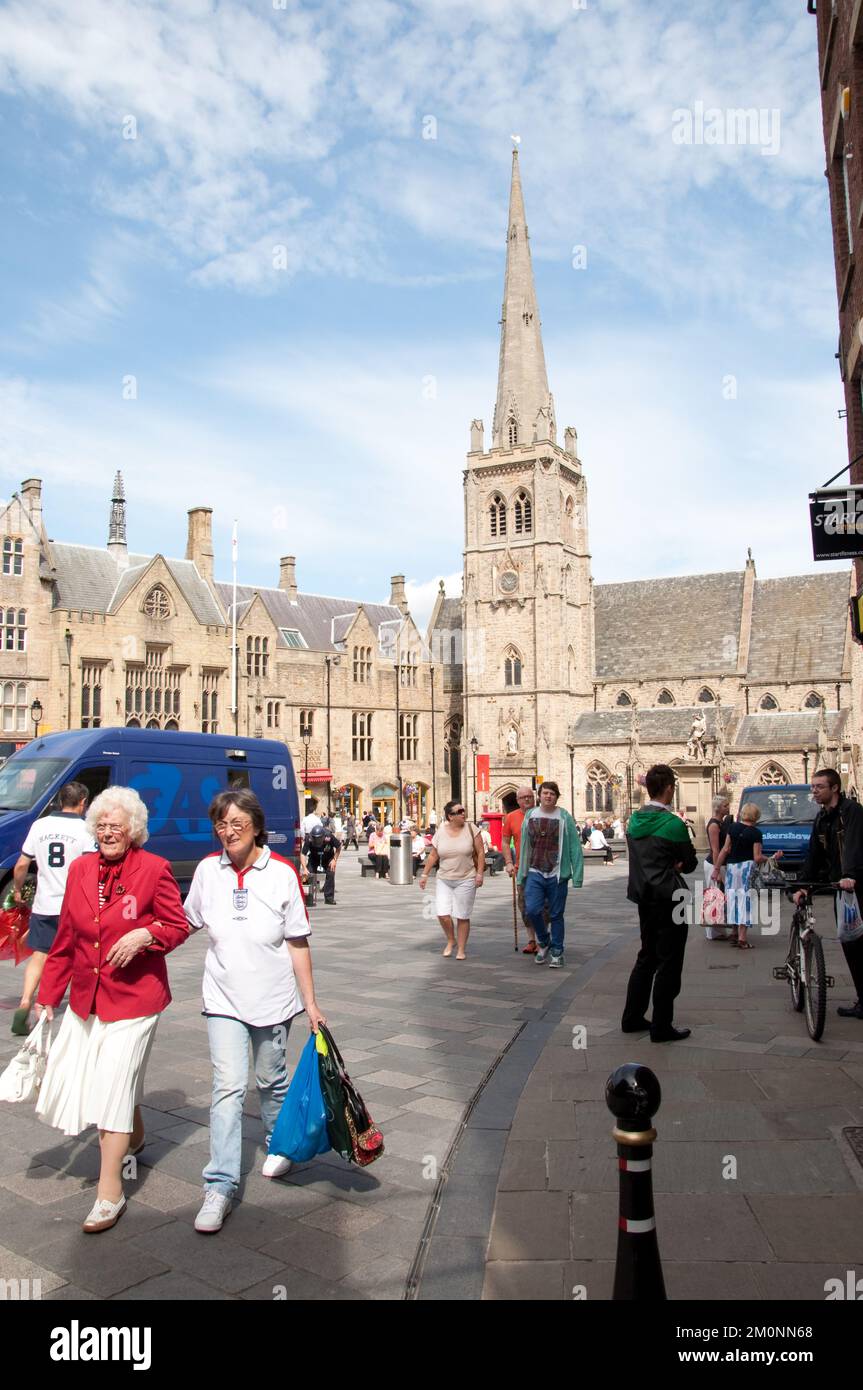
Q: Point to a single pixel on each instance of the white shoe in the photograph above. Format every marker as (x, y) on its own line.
(541, 953)
(214, 1209)
(104, 1215)
(555, 962)
(275, 1166)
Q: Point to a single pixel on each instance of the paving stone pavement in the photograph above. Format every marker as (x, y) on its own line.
(758, 1192)
(521, 1173)
(418, 1032)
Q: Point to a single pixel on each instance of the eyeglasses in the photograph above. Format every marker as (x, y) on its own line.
(103, 829)
(458, 811)
(223, 826)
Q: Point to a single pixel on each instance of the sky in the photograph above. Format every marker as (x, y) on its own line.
(252, 256)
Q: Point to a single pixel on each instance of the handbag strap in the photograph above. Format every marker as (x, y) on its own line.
(333, 1046)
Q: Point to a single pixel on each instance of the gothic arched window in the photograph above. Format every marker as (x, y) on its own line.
(497, 515)
(706, 696)
(157, 604)
(523, 514)
(624, 698)
(813, 701)
(772, 775)
(598, 795)
(665, 697)
(512, 431)
(512, 667)
(768, 702)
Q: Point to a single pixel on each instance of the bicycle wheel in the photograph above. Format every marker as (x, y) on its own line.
(794, 982)
(816, 986)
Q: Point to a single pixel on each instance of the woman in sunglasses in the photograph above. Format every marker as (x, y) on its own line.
(457, 850)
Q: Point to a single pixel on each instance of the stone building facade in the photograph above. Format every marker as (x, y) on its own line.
(734, 679)
(103, 637)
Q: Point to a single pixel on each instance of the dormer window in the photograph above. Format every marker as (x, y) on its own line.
(157, 604)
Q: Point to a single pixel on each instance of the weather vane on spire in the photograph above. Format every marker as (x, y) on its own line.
(516, 138)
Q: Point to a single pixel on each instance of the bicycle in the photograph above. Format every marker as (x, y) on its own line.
(804, 968)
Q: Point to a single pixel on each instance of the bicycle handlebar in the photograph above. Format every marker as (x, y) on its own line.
(812, 888)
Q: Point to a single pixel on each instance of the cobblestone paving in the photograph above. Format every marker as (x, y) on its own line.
(419, 1034)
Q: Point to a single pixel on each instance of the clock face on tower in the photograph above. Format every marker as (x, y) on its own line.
(509, 581)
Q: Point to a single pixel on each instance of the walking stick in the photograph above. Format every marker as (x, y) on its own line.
(514, 917)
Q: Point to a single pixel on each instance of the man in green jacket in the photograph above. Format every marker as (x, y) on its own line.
(549, 859)
(660, 851)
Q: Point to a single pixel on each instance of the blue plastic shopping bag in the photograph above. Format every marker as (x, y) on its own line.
(300, 1132)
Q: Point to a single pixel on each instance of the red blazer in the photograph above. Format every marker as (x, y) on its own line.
(85, 937)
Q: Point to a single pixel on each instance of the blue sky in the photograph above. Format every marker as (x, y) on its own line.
(325, 400)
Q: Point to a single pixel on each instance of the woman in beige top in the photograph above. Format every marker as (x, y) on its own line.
(458, 851)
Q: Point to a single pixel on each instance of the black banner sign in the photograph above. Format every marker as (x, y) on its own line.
(836, 519)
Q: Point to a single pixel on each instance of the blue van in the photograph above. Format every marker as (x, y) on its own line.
(787, 813)
(177, 775)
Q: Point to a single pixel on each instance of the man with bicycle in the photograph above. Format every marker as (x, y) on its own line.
(836, 856)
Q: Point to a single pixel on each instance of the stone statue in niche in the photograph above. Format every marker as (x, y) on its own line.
(695, 748)
(512, 740)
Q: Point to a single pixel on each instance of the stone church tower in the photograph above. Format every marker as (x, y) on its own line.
(527, 611)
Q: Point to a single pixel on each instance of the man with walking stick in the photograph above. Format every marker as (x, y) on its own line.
(511, 833)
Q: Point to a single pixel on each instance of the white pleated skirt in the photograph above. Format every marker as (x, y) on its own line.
(95, 1073)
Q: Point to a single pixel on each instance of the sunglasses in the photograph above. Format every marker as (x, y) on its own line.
(457, 811)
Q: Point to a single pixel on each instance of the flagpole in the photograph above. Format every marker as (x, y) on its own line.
(234, 709)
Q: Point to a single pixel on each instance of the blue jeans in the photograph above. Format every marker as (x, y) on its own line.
(229, 1052)
(538, 892)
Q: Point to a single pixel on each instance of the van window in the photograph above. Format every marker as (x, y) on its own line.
(23, 781)
(95, 779)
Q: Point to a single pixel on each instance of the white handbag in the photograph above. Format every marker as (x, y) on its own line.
(23, 1076)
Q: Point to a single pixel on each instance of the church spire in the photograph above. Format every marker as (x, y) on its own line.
(117, 524)
(524, 410)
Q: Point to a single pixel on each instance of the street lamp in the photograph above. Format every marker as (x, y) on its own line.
(474, 748)
(36, 712)
(805, 764)
(306, 736)
(571, 751)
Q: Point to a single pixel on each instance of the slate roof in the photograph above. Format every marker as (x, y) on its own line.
(312, 615)
(89, 579)
(685, 626)
(799, 729)
(798, 627)
(666, 724)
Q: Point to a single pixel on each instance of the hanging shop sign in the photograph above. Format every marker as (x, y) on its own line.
(836, 522)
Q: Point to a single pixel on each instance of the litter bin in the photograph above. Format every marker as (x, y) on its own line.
(401, 861)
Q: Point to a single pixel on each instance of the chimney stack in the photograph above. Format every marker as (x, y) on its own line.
(31, 496)
(288, 576)
(398, 597)
(199, 546)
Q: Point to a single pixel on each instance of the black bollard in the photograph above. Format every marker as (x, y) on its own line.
(633, 1096)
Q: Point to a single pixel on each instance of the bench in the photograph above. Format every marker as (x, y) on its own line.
(367, 867)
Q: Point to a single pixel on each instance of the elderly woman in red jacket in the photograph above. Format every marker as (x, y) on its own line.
(121, 914)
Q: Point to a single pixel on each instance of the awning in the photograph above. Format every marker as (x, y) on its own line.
(318, 774)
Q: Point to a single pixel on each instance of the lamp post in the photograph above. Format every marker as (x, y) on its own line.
(306, 736)
(434, 759)
(397, 670)
(805, 764)
(67, 637)
(571, 750)
(474, 748)
(36, 713)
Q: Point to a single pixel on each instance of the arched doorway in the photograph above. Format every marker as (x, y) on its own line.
(384, 803)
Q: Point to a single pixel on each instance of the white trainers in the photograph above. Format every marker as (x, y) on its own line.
(214, 1209)
(555, 962)
(275, 1166)
(541, 953)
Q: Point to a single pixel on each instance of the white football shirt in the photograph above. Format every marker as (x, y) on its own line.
(249, 918)
(55, 842)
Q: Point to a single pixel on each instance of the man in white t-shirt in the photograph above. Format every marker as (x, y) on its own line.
(312, 818)
(55, 842)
